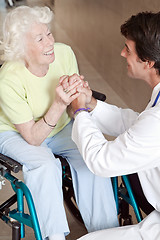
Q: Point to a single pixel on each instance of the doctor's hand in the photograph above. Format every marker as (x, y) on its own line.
(85, 89)
(86, 95)
(79, 102)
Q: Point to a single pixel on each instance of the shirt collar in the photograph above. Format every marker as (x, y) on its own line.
(155, 91)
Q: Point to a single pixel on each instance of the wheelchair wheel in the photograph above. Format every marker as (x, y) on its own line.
(125, 221)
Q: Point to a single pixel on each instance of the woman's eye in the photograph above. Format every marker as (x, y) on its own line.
(39, 40)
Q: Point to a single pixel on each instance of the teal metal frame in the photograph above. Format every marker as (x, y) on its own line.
(125, 193)
(18, 214)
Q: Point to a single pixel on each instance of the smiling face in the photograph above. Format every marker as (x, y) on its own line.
(39, 48)
(135, 66)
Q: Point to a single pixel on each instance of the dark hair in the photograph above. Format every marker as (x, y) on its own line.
(144, 30)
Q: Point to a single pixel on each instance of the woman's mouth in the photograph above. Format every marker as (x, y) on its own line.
(49, 52)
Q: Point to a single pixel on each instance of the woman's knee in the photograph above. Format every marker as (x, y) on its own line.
(46, 162)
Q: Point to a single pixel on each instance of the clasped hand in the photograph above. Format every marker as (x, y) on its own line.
(73, 89)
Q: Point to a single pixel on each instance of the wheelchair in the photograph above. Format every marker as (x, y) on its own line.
(123, 197)
(17, 218)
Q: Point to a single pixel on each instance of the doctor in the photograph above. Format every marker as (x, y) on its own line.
(137, 144)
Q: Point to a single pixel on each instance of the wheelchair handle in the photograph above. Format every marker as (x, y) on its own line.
(10, 164)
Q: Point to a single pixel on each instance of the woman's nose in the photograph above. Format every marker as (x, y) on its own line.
(50, 40)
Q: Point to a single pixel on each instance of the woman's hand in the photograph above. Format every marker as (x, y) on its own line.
(67, 81)
(82, 87)
(66, 91)
(79, 92)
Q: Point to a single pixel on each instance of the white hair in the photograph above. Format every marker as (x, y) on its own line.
(15, 26)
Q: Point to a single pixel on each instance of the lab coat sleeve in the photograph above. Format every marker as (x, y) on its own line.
(136, 149)
(148, 229)
(112, 120)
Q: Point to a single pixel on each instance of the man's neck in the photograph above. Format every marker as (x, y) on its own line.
(153, 78)
(154, 82)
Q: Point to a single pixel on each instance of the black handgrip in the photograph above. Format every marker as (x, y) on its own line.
(98, 95)
(10, 164)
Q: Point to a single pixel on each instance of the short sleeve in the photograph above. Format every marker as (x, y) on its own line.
(13, 100)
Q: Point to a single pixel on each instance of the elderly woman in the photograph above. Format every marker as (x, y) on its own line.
(34, 124)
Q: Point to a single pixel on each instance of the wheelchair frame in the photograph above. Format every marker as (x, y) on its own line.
(21, 191)
(124, 197)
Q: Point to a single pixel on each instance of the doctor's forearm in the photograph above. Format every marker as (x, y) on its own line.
(122, 156)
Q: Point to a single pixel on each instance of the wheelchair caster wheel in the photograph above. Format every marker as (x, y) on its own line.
(16, 232)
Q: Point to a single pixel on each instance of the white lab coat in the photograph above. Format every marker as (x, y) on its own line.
(135, 149)
(148, 229)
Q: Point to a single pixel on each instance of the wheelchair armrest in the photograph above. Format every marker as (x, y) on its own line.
(10, 164)
(98, 95)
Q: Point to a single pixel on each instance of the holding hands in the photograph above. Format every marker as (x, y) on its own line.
(65, 92)
(74, 91)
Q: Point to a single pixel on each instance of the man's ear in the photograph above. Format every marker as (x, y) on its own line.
(150, 64)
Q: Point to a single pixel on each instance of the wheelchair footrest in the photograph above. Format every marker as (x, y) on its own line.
(21, 217)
